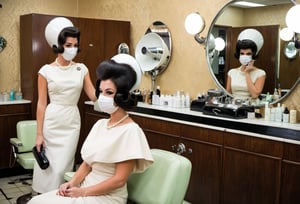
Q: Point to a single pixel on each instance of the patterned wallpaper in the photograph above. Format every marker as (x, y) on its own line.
(9, 29)
(187, 71)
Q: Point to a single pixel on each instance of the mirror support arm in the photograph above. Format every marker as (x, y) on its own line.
(200, 39)
(294, 2)
(153, 74)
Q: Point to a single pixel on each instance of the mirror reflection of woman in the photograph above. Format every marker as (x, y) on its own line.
(247, 81)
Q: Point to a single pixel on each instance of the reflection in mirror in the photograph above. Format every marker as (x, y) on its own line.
(290, 50)
(123, 48)
(282, 72)
(246, 81)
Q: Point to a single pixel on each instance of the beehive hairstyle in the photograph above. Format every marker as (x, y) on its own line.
(123, 76)
(62, 38)
(245, 44)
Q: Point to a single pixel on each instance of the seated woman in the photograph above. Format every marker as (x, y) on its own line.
(246, 81)
(114, 148)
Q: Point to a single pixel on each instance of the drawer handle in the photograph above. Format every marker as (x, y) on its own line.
(181, 148)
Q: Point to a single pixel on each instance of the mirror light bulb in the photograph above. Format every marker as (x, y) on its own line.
(292, 18)
(194, 23)
(286, 34)
(219, 44)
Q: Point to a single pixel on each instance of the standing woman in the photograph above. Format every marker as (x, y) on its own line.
(58, 123)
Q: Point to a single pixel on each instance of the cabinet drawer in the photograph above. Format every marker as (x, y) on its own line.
(202, 134)
(14, 109)
(253, 144)
(291, 152)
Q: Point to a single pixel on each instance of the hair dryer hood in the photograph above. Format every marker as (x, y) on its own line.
(152, 53)
(254, 35)
(54, 27)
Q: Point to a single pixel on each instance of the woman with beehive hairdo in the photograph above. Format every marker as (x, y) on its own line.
(124, 77)
(114, 148)
(247, 81)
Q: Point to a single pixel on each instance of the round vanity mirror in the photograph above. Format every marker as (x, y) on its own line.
(282, 72)
(155, 45)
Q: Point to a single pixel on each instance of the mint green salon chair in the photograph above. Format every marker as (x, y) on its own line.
(24, 142)
(164, 182)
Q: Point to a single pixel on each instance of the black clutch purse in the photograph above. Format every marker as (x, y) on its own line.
(41, 158)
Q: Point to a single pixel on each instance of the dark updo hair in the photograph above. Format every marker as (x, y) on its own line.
(245, 44)
(124, 77)
(62, 37)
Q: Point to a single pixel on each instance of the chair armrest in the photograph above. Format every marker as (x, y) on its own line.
(15, 142)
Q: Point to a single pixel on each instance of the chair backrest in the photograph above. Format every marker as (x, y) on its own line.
(164, 182)
(26, 133)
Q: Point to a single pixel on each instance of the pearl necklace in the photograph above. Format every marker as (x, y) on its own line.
(61, 66)
(117, 123)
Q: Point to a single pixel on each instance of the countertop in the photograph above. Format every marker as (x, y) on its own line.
(279, 131)
(23, 101)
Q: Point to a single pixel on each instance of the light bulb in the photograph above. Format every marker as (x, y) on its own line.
(286, 34)
(292, 18)
(194, 23)
(219, 44)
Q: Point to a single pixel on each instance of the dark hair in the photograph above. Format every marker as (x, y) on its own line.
(62, 37)
(245, 44)
(124, 77)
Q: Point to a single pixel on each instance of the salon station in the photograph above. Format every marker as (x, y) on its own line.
(242, 149)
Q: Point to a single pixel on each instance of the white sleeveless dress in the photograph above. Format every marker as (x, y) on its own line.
(239, 86)
(61, 124)
(101, 150)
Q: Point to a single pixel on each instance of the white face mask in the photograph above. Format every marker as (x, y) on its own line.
(245, 59)
(69, 53)
(106, 104)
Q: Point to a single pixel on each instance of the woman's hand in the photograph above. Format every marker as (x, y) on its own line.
(250, 67)
(73, 192)
(62, 191)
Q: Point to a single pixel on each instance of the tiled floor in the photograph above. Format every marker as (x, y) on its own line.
(10, 192)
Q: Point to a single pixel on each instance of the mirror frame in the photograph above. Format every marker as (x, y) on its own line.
(211, 70)
(163, 31)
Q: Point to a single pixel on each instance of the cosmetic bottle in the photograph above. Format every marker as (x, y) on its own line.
(187, 100)
(12, 95)
(286, 115)
(293, 115)
(18, 95)
(155, 99)
(5, 96)
(275, 95)
(272, 115)
(279, 90)
(158, 90)
(267, 112)
(278, 113)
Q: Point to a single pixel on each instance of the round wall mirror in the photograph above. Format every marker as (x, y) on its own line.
(282, 72)
(153, 51)
(159, 29)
